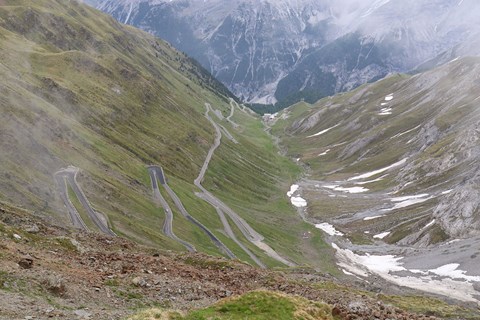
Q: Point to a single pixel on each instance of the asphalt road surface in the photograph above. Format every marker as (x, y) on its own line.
(70, 175)
(157, 174)
(249, 233)
(61, 180)
(178, 203)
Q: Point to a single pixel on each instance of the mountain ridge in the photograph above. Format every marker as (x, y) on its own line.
(266, 59)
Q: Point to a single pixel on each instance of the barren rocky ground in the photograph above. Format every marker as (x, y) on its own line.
(47, 272)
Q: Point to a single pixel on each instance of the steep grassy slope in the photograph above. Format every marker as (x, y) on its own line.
(80, 89)
(425, 125)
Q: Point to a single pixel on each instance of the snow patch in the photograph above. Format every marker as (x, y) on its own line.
(329, 229)
(447, 191)
(389, 97)
(347, 273)
(374, 173)
(407, 203)
(324, 153)
(372, 218)
(381, 235)
(371, 181)
(383, 266)
(377, 264)
(349, 190)
(298, 202)
(323, 131)
(451, 271)
(429, 224)
(293, 189)
(385, 112)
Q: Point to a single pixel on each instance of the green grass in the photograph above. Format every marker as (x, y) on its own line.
(430, 307)
(257, 305)
(111, 100)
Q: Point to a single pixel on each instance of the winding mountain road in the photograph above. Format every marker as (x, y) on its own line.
(69, 175)
(156, 174)
(249, 233)
(229, 135)
(231, 234)
(242, 108)
(61, 180)
(229, 118)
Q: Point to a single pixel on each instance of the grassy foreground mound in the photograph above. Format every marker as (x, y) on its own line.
(261, 305)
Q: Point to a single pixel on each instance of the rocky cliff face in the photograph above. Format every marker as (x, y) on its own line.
(248, 45)
(268, 51)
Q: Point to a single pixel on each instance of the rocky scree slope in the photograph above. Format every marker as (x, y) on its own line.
(79, 89)
(50, 272)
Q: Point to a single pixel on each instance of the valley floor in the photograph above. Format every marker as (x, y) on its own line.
(447, 269)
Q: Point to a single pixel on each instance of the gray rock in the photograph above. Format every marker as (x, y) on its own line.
(82, 314)
(139, 282)
(33, 229)
(26, 262)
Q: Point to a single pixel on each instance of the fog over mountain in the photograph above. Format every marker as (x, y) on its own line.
(285, 50)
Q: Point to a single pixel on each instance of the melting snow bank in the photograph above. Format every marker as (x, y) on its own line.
(323, 131)
(324, 153)
(429, 224)
(381, 235)
(451, 271)
(349, 190)
(298, 202)
(372, 218)
(293, 189)
(403, 202)
(371, 181)
(373, 173)
(328, 228)
(385, 112)
(440, 281)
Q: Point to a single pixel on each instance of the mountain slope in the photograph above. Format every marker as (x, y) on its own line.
(429, 119)
(393, 166)
(269, 51)
(79, 89)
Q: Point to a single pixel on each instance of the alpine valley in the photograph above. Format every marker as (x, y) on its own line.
(282, 51)
(135, 183)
